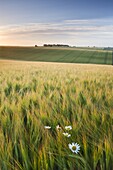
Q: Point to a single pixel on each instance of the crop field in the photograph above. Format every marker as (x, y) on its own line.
(37, 101)
(65, 55)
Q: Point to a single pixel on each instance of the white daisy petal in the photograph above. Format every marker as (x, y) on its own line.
(74, 147)
(58, 127)
(67, 134)
(68, 127)
(47, 127)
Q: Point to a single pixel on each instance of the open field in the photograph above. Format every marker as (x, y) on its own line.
(64, 55)
(34, 95)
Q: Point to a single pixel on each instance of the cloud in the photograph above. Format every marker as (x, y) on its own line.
(81, 29)
(52, 28)
(78, 21)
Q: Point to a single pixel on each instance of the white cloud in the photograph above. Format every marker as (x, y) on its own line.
(85, 30)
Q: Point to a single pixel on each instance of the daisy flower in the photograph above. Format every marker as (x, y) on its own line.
(58, 127)
(68, 127)
(47, 127)
(74, 147)
(67, 134)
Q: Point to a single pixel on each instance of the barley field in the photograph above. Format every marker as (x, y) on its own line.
(37, 102)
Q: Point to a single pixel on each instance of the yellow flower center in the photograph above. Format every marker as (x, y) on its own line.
(74, 148)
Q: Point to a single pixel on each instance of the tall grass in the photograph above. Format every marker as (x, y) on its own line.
(33, 95)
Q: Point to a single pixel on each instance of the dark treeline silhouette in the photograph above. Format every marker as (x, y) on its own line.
(108, 48)
(55, 45)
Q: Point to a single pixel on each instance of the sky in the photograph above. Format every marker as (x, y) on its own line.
(72, 22)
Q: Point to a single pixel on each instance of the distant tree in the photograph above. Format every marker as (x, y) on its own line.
(55, 45)
(45, 45)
